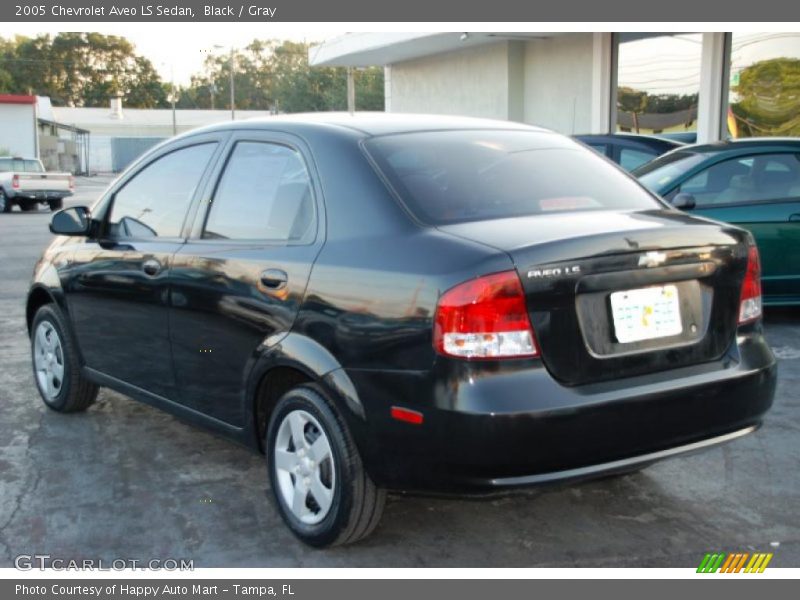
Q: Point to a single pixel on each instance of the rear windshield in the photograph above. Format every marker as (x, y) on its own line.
(658, 175)
(456, 176)
(21, 165)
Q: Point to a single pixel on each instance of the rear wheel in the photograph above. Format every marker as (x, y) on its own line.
(317, 478)
(5, 203)
(55, 205)
(55, 364)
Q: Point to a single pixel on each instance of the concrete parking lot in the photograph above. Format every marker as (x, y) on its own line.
(127, 481)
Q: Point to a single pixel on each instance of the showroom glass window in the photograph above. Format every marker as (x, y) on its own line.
(658, 82)
(264, 194)
(764, 96)
(154, 202)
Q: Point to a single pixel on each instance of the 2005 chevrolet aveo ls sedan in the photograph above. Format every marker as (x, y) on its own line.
(406, 303)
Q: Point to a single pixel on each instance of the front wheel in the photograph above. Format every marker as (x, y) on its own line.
(55, 364)
(317, 478)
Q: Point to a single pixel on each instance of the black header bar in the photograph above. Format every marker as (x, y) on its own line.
(599, 11)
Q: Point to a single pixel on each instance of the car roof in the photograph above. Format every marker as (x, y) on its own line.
(743, 144)
(624, 135)
(372, 123)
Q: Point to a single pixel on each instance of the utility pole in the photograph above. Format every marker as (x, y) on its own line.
(351, 91)
(174, 100)
(233, 108)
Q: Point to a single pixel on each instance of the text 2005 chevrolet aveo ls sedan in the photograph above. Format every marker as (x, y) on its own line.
(404, 303)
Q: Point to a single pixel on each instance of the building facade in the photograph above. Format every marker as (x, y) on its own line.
(18, 136)
(587, 82)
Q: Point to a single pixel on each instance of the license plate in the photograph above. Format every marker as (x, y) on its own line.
(646, 313)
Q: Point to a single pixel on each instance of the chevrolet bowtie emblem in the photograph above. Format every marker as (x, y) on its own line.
(652, 259)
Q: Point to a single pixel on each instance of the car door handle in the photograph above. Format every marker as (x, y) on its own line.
(795, 217)
(151, 267)
(274, 279)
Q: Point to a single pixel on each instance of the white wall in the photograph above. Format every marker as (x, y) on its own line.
(18, 129)
(100, 153)
(547, 82)
(558, 83)
(470, 82)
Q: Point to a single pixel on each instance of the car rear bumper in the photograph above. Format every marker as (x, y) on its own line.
(623, 465)
(490, 427)
(41, 196)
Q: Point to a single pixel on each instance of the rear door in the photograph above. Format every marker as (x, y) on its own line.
(760, 192)
(238, 282)
(118, 294)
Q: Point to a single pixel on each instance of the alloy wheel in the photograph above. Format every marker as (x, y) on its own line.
(48, 356)
(304, 466)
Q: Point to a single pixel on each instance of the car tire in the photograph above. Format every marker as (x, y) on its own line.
(5, 204)
(56, 204)
(28, 206)
(324, 462)
(56, 369)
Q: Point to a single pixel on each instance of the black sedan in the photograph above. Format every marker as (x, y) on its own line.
(629, 150)
(403, 303)
(754, 183)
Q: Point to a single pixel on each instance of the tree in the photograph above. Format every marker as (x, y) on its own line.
(275, 75)
(670, 103)
(79, 69)
(632, 101)
(768, 98)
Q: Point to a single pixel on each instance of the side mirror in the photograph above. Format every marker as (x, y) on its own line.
(684, 201)
(71, 221)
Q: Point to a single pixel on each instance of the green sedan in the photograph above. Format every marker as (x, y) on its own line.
(753, 183)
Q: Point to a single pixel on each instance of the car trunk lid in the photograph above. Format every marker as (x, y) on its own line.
(582, 272)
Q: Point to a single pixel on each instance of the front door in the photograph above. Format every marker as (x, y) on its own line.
(118, 293)
(762, 194)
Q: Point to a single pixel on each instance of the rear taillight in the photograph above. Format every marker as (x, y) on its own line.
(750, 301)
(71, 183)
(15, 182)
(485, 318)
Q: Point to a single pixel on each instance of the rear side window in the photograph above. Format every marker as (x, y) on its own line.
(457, 176)
(264, 194)
(154, 202)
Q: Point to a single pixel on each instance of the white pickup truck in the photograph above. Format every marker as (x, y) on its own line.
(24, 182)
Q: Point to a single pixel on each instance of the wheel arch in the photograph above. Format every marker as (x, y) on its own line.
(292, 361)
(38, 296)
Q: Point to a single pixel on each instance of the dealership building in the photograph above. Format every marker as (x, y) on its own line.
(570, 82)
